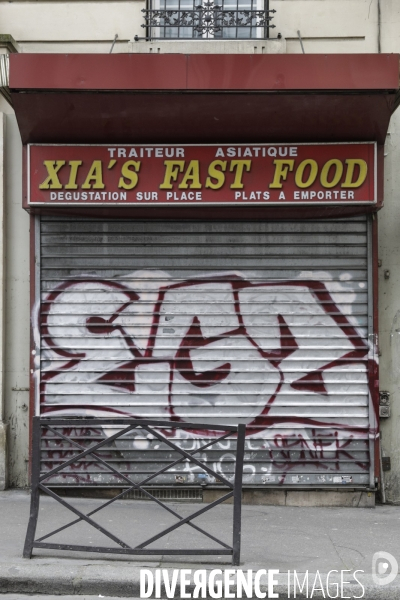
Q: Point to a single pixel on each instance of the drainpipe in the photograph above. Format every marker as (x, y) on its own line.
(7, 46)
(379, 26)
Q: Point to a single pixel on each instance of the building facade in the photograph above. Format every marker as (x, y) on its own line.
(205, 230)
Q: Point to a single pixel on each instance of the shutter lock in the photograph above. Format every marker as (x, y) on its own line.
(384, 405)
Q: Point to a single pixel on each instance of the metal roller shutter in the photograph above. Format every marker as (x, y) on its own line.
(263, 323)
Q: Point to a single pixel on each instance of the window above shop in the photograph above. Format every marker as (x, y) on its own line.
(207, 19)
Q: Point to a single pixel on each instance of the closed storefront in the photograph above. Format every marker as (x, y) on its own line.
(262, 323)
(205, 252)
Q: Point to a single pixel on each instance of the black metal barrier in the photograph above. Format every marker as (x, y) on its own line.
(42, 472)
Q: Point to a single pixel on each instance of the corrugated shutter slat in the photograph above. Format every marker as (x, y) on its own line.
(261, 323)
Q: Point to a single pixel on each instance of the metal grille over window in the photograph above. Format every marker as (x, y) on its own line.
(188, 19)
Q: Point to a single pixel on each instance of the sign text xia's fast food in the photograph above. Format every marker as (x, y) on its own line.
(236, 174)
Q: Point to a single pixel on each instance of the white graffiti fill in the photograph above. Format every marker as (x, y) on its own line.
(210, 349)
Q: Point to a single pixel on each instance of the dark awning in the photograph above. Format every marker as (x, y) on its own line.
(177, 98)
(180, 98)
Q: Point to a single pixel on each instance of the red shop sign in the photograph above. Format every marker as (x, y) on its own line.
(270, 174)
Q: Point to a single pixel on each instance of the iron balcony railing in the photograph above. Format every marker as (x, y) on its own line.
(227, 19)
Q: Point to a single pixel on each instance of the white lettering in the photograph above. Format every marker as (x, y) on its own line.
(358, 581)
(244, 584)
(170, 587)
(257, 590)
(342, 582)
(215, 587)
(304, 585)
(228, 582)
(314, 588)
(146, 583)
(335, 585)
(185, 581)
(272, 582)
(200, 582)
(157, 583)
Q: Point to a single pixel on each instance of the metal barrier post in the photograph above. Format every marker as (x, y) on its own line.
(33, 516)
(237, 496)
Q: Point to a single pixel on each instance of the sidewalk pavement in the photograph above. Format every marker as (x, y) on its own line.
(273, 537)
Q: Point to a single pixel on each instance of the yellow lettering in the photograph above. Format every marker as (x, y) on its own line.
(351, 163)
(309, 162)
(52, 182)
(192, 174)
(238, 166)
(129, 174)
(73, 173)
(217, 174)
(95, 174)
(282, 168)
(172, 169)
(337, 173)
